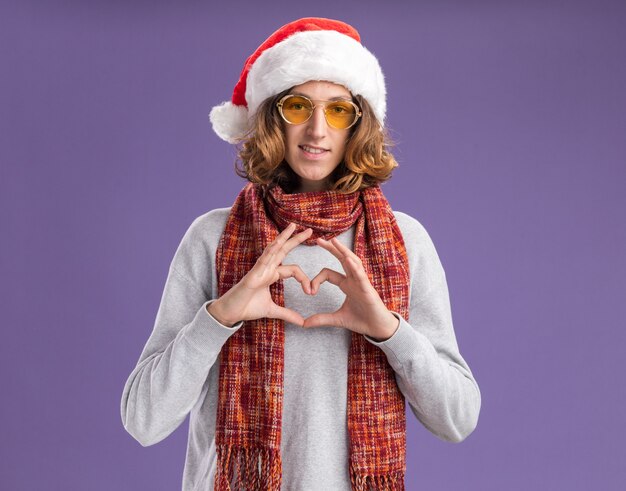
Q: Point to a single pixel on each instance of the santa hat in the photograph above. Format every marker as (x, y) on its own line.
(307, 49)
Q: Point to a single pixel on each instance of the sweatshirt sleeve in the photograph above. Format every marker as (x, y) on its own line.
(431, 373)
(185, 342)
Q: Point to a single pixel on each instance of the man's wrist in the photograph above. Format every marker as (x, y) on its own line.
(393, 327)
(214, 310)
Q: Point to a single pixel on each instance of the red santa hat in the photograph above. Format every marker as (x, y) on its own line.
(307, 49)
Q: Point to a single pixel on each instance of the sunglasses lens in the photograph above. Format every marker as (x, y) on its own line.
(340, 114)
(296, 109)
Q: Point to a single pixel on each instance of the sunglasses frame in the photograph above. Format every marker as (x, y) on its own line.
(280, 103)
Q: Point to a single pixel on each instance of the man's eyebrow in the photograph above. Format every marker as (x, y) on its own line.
(338, 98)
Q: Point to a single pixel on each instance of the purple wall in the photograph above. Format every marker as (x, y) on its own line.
(510, 123)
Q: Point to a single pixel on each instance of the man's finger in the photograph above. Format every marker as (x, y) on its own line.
(329, 247)
(345, 250)
(282, 237)
(354, 269)
(285, 233)
(321, 320)
(297, 240)
(326, 274)
(294, 271)
(271, 253)
(287, 315)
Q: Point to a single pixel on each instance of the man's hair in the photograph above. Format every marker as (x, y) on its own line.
(367, 160)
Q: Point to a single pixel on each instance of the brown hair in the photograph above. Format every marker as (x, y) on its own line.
(367, 160)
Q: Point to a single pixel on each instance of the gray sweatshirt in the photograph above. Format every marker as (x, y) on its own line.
(178, 370)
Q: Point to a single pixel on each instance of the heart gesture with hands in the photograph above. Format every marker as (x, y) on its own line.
(363, 311)
(250, 298)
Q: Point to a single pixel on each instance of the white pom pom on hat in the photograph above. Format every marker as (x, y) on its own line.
(311, 48)
(229, 121)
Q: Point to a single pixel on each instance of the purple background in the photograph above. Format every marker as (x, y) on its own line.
(510, 123)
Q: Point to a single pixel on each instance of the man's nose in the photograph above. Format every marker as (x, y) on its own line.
(317, 123)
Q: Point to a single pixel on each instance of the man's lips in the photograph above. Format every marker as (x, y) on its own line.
(313, 150)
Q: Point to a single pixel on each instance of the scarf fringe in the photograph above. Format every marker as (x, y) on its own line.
(384, 482)
(258, 468)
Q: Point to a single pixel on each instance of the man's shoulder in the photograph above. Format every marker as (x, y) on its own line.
(204, 232)
(417, 240)
(410, 226)
(210, 221)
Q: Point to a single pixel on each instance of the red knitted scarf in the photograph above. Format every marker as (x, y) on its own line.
(248, 429)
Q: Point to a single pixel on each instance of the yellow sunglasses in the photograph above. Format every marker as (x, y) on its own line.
(297, 109)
